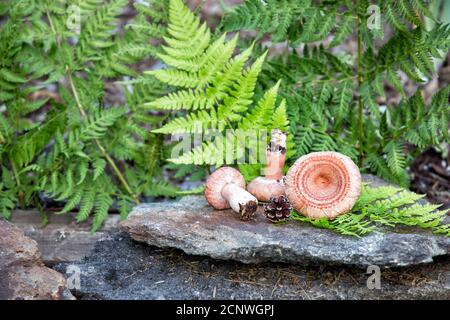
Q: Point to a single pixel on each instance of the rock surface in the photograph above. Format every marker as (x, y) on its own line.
(23, 275)
(119, 268)
(62, 239)
(196, 228)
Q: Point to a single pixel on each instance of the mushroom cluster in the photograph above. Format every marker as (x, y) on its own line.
(318, 185)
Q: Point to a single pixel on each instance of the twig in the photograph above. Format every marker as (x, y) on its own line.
(275, 287)
(248, 282)
(299, 283)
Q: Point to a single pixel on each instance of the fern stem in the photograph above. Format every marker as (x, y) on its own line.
(20, 194)
(97, 142)
(360, 81)
(75, 94)
(52, 26)
(117, 171)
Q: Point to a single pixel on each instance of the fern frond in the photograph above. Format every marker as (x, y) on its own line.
(241, 93)
(211, 153)
(29, 144)
(370, 195)
(102, 204)
(86, 206)
(344, 30)
(8, 194)
(395, 157)
(343, 99)
(202, 120)
(177, 78)
(162, 188)
(223, 87)
(385, 205)
(261, 115)
(98, 123)
(98, 30)
(276, 17)
(279, 118)
(182, 100)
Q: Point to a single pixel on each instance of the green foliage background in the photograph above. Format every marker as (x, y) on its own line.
(75, 149)
(331, 96)
(85, 153)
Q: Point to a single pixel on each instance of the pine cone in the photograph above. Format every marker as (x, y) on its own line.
(278, 209)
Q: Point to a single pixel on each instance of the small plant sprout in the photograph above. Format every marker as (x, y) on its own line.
(225, 188)
(323, 185)
(272, 185)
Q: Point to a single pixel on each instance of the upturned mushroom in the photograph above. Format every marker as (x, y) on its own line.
(323, 184)
(225, 188)
(272, 185)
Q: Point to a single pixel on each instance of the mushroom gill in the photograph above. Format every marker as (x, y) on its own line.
(323, 184)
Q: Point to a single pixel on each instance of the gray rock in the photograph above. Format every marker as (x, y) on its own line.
(23, 275)
(196, 228)
(119, 268)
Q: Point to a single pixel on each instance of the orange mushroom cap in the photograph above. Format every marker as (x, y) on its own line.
(323, 184)
(215, 183)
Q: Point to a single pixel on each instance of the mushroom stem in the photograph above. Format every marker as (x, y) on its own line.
(263, 188)
(240, 200)
(225, 188)
(276, 155)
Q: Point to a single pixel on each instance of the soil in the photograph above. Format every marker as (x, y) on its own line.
(120, 268)
(430, 173)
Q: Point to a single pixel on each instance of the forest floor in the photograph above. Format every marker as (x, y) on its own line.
(120, 268)
(431, 176)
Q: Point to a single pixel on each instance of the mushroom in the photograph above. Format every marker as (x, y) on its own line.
(263, 188)
(323, 184)
(225, 188)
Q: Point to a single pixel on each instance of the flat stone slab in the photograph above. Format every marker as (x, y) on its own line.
(196, 228)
